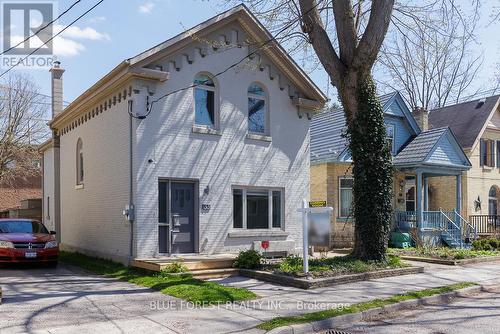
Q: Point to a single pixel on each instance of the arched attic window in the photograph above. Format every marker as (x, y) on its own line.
(258, 118)
(205, 106)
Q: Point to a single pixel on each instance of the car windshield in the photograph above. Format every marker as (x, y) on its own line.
(22, 226)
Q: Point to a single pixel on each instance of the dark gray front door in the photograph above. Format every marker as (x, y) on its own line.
(182, 216)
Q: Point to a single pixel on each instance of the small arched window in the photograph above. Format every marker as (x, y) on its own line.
(493, 191)
(79, 162)
(204, 101)
(257, 109)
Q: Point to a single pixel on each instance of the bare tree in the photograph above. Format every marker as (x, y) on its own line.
(346, 37)
(22, 128)
(432, 67)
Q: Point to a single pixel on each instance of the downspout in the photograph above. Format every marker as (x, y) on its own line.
(131, 213)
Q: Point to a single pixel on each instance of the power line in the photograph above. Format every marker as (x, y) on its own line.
(42, 28)
(32, 92)
(50, 39)
(273, 38)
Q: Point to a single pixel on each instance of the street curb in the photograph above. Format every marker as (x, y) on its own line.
(349, 319)
(450, 262)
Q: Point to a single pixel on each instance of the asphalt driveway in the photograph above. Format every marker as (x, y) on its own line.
(67, 300)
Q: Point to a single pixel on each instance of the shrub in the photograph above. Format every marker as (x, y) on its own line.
(489, 244)
(291, 264)
(174, 268)
(250, 259)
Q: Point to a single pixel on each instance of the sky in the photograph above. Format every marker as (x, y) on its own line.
(120, 29)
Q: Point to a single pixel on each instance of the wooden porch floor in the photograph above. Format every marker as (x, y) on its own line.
(193, 262)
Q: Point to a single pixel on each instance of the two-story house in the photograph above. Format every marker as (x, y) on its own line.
(476, 125)
(419, 156)
(197, 145)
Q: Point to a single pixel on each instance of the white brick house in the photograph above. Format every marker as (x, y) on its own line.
(218, 165)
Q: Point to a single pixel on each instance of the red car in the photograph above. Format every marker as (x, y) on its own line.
(27, 241)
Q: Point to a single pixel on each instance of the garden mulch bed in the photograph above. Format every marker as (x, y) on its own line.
(310, 282)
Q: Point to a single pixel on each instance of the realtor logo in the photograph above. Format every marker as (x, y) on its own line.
(24, 19)
(27, 29)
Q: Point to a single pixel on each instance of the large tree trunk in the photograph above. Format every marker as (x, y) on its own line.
(372, 168)
(351, 73)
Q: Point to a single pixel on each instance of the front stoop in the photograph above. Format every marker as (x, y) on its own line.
(202, 266)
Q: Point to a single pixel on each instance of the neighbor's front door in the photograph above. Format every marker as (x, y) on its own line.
(182, 201)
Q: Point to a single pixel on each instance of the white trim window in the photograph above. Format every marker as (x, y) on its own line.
(345, 196)
(79, 162)
(257, 208)
(390, 131)
(205, 106)
(257, 110)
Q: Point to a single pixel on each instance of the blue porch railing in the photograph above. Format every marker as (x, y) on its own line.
(456, 231)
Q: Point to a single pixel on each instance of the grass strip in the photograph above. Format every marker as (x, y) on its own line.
(360, 307)
(182, 286)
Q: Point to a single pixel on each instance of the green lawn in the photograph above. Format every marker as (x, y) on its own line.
(359, 307)
(444, 253)
(182, 286)
(338, 265)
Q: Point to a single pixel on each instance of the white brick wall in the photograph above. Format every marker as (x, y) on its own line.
(91, 218)
(220, 161)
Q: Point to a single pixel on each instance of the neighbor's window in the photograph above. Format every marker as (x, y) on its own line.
(204, 101)
(79, 161)
(345, 196)
(257, 208)
(487, 153)
(390, 130)
(257, 109)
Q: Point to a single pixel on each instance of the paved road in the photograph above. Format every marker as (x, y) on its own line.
(477, 314)
(66, 300)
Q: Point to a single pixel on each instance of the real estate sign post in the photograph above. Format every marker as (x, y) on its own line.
(315, 227)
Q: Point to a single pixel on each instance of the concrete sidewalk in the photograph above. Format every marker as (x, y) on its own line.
(66, 301)
(473, 314)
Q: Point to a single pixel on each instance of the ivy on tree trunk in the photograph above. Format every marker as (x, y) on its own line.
(372, 172)
(349, 70)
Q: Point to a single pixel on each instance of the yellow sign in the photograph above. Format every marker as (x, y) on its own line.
(317, 204)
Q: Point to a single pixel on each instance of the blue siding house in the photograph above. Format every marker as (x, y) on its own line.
(418, 153)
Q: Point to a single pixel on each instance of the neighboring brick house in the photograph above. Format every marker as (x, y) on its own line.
(476, 125)
(16, 191)
(219, 164)
(419, 156)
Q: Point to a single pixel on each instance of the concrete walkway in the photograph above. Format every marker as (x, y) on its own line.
(65, 300)
(476, 314)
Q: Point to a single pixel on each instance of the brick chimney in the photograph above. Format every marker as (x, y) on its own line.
(422, 117)
(57, 88)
